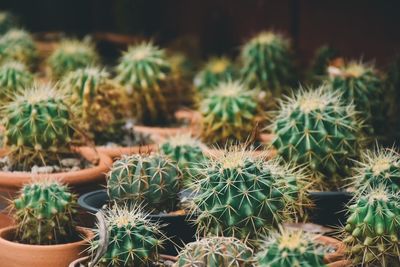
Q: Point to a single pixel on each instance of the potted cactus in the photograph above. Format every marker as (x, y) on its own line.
(14, 76)
(45, 233)
(18, 45)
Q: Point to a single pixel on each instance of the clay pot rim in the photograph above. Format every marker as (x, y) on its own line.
(338, 254)
(87, 233)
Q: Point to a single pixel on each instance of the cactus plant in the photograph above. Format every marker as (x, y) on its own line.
(133, 240)
(44, 212)
(70, 55)
(241, 195)
(39, 126)
(290, 247)
(154, 180)
(144, 71)
(18, 45)
(322, 59)
(216, 252)
(14, 76)
(216, 70)
(7, 21)
(100, 102)
(373, 227)
(267, 63)
(316, 129)
(229, 113)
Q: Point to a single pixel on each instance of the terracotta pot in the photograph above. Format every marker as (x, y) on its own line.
(266, 138)
(83, 261)
(17, 255)
(160, 133)
(118, 151)
(340, 263)
(338, 254)
(5, 220)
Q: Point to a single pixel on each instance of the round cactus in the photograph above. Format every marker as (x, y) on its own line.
(99, 101)
(267, 63)
(154, 180)
(241, 195)
(316, 129)
(229, 114)
(44, 213)
(144, 71)
(38, 126)
(289, 248)
(133, 240)
(216, 252)
(7, 22)
(18, 45)
(322, 59)
(216, 70)
(14, 76)
(373, 227)
(71, 55)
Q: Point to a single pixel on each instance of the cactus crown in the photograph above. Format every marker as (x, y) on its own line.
(229, 113)
(14, 76)
(18, 45)
(216, 251)
(288, 248)
(133, 240)
(39, 126)
(373, 227)
(152, 179)
(44, 213)
(314, 128)
(71, 55)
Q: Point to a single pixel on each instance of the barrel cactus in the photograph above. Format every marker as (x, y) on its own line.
(316, 129)
(154, 180)
(373, 227)
(267, 62)
(70, 55)
(288, 248)
(39, 126)
(145, 72)
(216, 252)
(14, 76)
(100, 102)
(216, 70)
(229, 114)
(18, 45)
(133, 240)
(7, 21)
(44, 212)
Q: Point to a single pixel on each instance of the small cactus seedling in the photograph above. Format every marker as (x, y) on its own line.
(71, 55)
(267, 63)
(133, 240)
(38, 126)
(145, 71)
(215, 252)
(14, 76)
(99, 101)
(44, 213)
(154, 180)
(7, 22)
(216, 70)
(229, 114)
(373, 227)
(18, 45)
(316, 129)
(289, 248)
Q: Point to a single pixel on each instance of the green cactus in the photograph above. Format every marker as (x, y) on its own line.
(38, 126)
(44, 212)
(320, 63)
(289, 248)
(360, 84)
(215, 252)
(316, 129)
(133, 240)
(145, 72)
(373, 227)
(186, 151)
(241, 195)
(267, 62)
(216, 70)
(100, 103)
(229, 114)
(14, 76)
(154, 180)
(70, 55)
(7, 22)
(18, 45)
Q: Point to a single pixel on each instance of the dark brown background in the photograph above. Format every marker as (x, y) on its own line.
(357, 28)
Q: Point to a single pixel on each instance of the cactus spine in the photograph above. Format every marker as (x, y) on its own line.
(18, 45)
(14, 76)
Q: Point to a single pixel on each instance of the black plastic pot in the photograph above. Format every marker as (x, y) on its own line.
(330, 207)
(178, 228)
